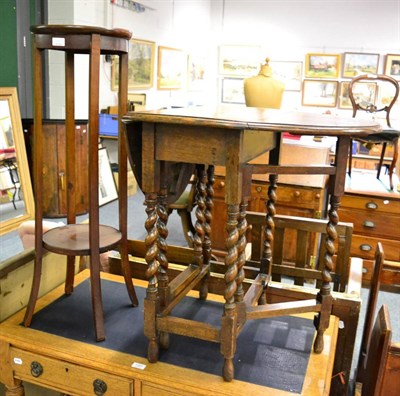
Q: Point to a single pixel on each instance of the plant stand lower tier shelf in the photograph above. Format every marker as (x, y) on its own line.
(50, 353)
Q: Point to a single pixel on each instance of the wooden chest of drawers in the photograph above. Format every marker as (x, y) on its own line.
(376, 218)
(292, 200)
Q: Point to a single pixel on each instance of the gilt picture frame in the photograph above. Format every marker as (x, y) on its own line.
(357, 63)
(140, 65)
(322, 65)
(362, 91)
(171, 72)
(392, 66)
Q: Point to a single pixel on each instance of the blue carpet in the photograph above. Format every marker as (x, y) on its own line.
(273, 352)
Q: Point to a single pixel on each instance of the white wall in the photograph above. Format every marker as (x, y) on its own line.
(284, 30)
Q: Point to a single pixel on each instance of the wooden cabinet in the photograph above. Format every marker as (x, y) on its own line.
(54, 172)
(292, 200)
(376, 218)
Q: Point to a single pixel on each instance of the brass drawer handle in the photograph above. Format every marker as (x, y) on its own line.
(369, 224)
(36, 369)
(258, 189)
(371, 205)
(365, 247)
(99, 387)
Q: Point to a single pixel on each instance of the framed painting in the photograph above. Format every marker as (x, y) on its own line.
(288, 72)
(232, 90)
(140, 65)
(239, 60)
(196, 73)
(322, 65)
(356, 63)
(107, 188)
(172, 65)
(321, 93)
(363, 92)
(392, 66)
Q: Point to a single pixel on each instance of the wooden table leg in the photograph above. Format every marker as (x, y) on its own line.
(229, 319)
(162, 214)
(151, 302)
(207, 251)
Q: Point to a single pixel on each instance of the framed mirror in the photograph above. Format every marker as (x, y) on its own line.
(16, 196)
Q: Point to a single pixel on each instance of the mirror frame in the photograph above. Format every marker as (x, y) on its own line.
(10, 94)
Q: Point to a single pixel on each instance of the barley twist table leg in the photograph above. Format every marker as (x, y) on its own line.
(324, 296)
(229, 319)
(162, 229)
(151, 301)
(242, 228)
(269, 228)
(200, 222)
(209, 204)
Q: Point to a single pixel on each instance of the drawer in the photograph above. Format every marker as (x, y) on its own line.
(307, 198)
(364, 247)
(372, 223)
(68, 377)
(389, 275)
(371, 205)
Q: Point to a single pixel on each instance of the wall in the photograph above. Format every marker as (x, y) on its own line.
(284, 30)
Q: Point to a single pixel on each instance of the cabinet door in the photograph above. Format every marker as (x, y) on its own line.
(81, 170)
(51, 160)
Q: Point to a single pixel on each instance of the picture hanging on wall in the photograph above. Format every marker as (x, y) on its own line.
(355, 64)
(288, 72)
(172, 65)
(362, 92)
(321, 93)
(232, 90)
(140, 65)
(392, 65)
(239, 60)
(322, 65)
(196, 72)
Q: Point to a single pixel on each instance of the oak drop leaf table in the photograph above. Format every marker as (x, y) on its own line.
(164, 146)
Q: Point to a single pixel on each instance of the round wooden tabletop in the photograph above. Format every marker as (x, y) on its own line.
(73, 239)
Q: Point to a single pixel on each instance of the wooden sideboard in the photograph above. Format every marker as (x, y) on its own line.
(54, 172)
(72, 367)
(376, 218)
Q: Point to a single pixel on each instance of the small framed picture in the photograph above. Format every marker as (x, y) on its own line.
(140, 65)
(322, 65)
(232, 90)
(356, 63)
(196, 72)
(392, 65)
(320, 93)
(239, 60)
(362, 92)
(288, 72)
(172, 64)
(107, 188)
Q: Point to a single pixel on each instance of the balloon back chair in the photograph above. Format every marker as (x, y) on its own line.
(374, 94)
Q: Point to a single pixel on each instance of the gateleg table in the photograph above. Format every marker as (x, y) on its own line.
(164, 148)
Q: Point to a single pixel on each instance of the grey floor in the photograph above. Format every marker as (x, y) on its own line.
(10, 245)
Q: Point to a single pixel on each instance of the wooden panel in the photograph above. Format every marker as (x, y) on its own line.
(391, 379)
(56, 373)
